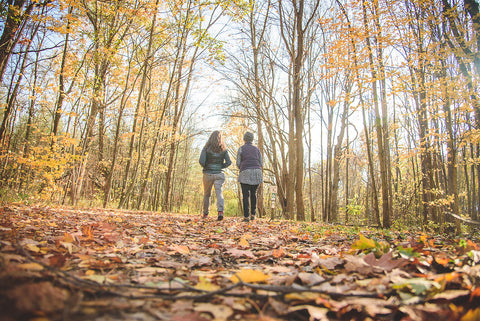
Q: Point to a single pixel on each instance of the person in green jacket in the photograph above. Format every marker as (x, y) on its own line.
(214, 159)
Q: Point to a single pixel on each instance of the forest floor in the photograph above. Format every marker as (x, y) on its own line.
(60, 263)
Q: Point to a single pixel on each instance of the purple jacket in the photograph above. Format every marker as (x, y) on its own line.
(249, 157)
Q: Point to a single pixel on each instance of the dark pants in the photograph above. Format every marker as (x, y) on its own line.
(249, 193)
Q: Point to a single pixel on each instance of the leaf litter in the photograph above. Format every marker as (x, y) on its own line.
(96, 264)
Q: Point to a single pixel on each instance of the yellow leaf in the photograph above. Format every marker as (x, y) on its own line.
(206, 285)
(471, 315)
(89, 272)
(243, 242)
(30, 266)
(363, 243)
(33, 248)
(250, 276)
(301, 296)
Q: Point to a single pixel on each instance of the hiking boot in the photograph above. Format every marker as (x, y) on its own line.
(220, 216)
(252, 217)
(205, 216)
(246, 219)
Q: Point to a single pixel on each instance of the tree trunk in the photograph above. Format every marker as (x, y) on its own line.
(387, 194)
(376, 207)
(61, 85)
(379, 128)
(452, 187)
(11, 98)
(12, 31)
(336, 164)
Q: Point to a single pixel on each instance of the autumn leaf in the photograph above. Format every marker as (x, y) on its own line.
(32, 266)
(417, 286)
(243, 242)
(206, 284)
(316, 313)
(67, 238)
(369, 245)
(181, 249)
(471, 315)
(241, 253)
(219, 312)
(249, 276)
(363, 243)
(40, 297)
(87, 232)
(279, 253)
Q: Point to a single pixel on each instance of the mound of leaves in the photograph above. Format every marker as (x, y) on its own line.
(95, 264)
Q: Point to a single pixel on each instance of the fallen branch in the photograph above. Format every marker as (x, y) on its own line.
(466, 220)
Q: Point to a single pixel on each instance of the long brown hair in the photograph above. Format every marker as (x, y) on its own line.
(215, 142)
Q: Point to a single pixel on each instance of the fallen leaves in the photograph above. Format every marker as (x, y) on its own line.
(85, 264)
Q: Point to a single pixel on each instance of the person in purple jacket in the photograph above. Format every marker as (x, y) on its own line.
(249, 161)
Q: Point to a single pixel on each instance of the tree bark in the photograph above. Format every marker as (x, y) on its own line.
(12, 30)
(379, 127)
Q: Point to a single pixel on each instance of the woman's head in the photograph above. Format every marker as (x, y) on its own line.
(215, 142)
(248, 137)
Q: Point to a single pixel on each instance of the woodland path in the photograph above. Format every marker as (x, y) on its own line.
(59, 263)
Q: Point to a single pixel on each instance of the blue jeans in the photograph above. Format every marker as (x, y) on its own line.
(210, 180)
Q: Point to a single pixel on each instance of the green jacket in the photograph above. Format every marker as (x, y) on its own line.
(214, 163)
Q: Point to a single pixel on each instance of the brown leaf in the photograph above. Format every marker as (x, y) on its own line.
(358, 264)
(385, 262)
(310, 278)
(200, 261)
(316, 313)
(241, 253)
(329, 263)
(42, 296)
(181, 249)
(195, 316)
(219, 312)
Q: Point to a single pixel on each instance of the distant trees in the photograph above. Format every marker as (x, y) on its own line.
(389, 70)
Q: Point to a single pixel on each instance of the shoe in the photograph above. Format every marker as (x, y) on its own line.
(252, 217)
(220, 216)
(246, 219)
(205, 216)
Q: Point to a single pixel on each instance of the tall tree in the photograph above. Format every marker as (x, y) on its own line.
(295, 44)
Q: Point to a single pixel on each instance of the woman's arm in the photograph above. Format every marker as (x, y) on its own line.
(203, 158)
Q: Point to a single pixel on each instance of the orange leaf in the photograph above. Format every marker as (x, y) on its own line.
(243, 242)
(182, 249)
(447, 277)
(249, 276)
(442, 261)
(67, 238)
(279, 253)
(87, 232)
(475, 294)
